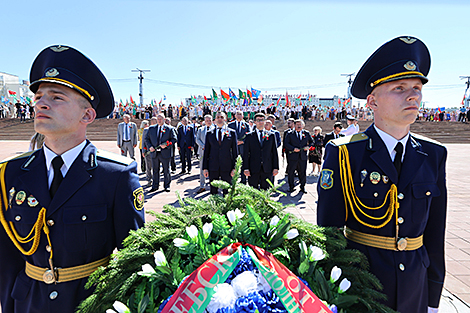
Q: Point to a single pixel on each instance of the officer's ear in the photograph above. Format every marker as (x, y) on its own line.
(89, 115)
(372, 101)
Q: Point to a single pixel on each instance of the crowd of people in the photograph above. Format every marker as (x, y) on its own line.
(18, 110)
(215, 143)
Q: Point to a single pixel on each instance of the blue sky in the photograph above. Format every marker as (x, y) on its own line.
(268, 45)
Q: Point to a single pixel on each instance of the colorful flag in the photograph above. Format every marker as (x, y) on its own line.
(255, 92)
(224, 95)
(278, 100)
(214, 94)
(299, 97)
(232, 94)
(249, 94)
(164, 97)
(160, 102)
(205, 98)
(241, 94)
(287, 99)
(132, 100)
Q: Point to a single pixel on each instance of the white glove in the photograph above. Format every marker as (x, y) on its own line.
(433, 310)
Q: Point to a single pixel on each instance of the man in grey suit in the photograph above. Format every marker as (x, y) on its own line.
(201, 141)
(127, 136)
(159, 139)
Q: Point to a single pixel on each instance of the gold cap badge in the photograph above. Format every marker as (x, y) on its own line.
(410, 66)
(59, 48)
(408, 40)
(53, 72)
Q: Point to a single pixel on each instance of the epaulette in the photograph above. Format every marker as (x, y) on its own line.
(20, 156)
(113, 157)
(348, 139)
(424, 138)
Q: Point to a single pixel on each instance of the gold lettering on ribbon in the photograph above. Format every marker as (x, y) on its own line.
(205, 282)
(295, 289)
(176, 309)
(307, 297)
(201, 291)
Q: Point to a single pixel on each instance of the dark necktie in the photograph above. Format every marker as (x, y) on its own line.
(220, 136)
(158, 136)
(57, 163)
(398, 156)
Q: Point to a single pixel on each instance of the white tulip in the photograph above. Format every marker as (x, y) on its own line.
(335, 274)
(234, 215)
(274, 221)
(317, 254)
(147, 269)
(303, 247)
(121, 307)
(207, 229)
(160, 259)
(231, 217)
(110, 311)
(192, 231)
(291, 234)
(344, 285)
(180, 243)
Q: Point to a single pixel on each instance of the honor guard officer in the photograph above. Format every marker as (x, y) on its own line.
(63, 208)
(387, 186)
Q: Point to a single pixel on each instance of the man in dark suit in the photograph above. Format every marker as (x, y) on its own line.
(185, 144)
(290, 127)
(241, 128)
(260, 158)
(269, 127)
(220, 152)
(172, 159)
(87, 199)
(297, 143)
(159, 139)
(389, 190)
(336, 133)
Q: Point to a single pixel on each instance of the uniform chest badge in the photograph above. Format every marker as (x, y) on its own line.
(32, 201)
(326, 179)
(385, 179)
(12, 194)
(375, 178)
(363, 176)
(139, 198)
(20, 197)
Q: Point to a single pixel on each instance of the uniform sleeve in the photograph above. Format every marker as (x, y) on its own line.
(434, 238)
(330, 207)
(128, 204)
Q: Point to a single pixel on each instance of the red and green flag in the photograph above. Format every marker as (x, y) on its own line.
(224, 95)
(214, 94)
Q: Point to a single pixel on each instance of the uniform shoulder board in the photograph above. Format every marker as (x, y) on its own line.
(103, 154)
(424, 138)
(348, 139)
(15, 157)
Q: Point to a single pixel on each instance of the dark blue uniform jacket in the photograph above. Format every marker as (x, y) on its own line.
(412, 280)
(93, 210)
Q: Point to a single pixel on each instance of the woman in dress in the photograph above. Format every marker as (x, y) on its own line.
(315, 153)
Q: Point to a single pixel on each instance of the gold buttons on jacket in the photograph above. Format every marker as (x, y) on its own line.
(401, 267)
(84, 217)
(50, 223)
(428, 193)
(376, 194)
(18, 218)
(401, 220)
(48, 248)
(53, 295)
(401, 196)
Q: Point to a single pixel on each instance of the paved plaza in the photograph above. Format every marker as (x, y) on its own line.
(457, 283)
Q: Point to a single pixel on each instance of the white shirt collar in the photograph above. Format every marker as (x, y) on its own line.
(390, 142)
(68, 157)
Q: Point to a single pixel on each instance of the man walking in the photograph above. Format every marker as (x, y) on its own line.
(260, 158)
(336, 133)
(127, 136)
(387, 186)
(185, 145)
(220, 152)
(297, 143)
(159, 139)
(147, 154)
(172, 159)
